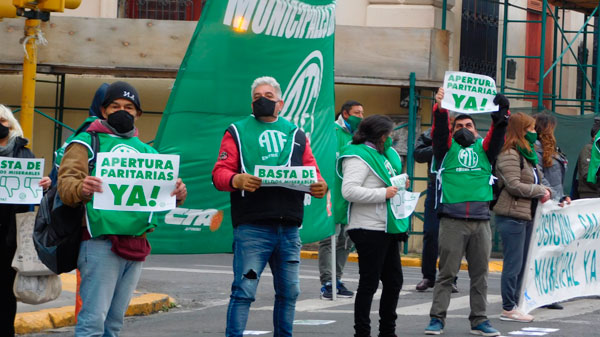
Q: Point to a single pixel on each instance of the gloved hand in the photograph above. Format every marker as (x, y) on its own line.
(318, 189)
(246, 182)
(500, 117)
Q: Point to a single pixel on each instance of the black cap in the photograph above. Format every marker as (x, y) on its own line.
(124, 90)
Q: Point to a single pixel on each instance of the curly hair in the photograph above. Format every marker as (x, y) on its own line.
(544, 126)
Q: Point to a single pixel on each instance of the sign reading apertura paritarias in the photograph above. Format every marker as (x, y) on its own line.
(469, 93)
(136, 181)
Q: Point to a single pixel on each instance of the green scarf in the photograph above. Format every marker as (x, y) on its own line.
(529, 154)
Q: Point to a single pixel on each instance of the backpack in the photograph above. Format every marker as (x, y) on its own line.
(57, 228)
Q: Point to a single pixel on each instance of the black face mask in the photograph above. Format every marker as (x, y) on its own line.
(263, 107)
(4, 130)
(121, 120)
(464, 137)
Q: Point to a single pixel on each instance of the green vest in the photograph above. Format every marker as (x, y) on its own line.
(263, 143)
(466, 174)
(102, 222)
(340, 205)
(594, 160)
(384, 167)
(60, 152)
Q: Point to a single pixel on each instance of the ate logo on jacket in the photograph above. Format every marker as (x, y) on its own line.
(273, 142)
(468, 158)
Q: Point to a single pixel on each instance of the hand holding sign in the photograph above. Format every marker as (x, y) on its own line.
(91, 185)
(318, 189)
(468, 93)
(180, 191)
(246, 182)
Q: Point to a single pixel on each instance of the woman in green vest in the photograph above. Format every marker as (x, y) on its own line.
(366, 167)
(520, 183)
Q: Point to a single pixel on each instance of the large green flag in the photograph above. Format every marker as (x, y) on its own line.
(235, 42)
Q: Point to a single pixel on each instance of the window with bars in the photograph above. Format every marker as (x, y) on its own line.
(182, 10)
(479, 37)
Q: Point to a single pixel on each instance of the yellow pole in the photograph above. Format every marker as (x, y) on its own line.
(29, 74)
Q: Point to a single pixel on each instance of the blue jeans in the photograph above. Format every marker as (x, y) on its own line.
(515, 234)
(253, 247)
(107, 284)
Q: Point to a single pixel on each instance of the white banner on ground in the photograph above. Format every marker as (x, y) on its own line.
(469, 93)
(19, 180)
(293, 177)
(136, 181)
(563, 254)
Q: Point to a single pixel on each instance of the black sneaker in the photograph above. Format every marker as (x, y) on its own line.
(326, 291)
(342, 291)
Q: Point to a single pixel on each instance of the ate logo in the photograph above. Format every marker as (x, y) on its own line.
(303, 91)
(272, 140)
(468, 158)
(389, 168)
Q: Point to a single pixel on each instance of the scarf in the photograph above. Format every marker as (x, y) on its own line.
(7, 151)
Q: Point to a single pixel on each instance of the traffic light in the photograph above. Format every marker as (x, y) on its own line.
(47, 5)
(7, 9)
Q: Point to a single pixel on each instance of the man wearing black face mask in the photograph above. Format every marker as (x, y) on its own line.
(110, 262)
(265, 219)
(462, 161)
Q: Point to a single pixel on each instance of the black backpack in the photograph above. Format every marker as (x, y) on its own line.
(57, 229)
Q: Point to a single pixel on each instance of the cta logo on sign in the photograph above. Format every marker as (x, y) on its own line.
(468, 158)
(272, 140)
(302, 92)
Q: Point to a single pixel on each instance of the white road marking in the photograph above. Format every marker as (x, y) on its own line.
(574, 308)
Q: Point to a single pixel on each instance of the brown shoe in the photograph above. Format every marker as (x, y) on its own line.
(424, 285)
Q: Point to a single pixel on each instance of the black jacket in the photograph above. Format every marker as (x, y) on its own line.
(270, 205)
(8, 221)
(424, 153)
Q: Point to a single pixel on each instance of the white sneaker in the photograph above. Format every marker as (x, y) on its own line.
(515, 316)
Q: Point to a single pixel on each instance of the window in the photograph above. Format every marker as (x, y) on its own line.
(183, 10)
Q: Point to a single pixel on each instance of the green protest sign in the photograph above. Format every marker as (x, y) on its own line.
(19, 180)
(469, 93)
(235, 42)
(136, 181)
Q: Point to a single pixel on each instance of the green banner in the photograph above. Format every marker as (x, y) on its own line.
(235, 42)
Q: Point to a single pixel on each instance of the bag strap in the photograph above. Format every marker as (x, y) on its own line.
(95, 148)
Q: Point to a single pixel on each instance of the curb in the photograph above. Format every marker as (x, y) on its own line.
(495, 266)
(37, 321)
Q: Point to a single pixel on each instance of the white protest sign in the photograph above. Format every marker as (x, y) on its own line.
(293, 177)
(399, 181)
(469, 93)
(19, 180)
(563, 257)
(404, 203)
(136, 181)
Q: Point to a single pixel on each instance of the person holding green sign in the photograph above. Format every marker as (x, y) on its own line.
(114, 245)
(346, 124)
(589, 188)
(367, 166)
(265, 220)
(12, 144)
(462, 160)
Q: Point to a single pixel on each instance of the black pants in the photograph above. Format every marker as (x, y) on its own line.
(431, 228)
(378, 259)
(7, 296)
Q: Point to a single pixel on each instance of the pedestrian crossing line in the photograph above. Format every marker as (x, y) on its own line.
(573, 308)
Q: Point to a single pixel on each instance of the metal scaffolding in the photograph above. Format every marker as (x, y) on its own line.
(562, 44)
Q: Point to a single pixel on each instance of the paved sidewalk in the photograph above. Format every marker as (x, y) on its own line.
(61, 312)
